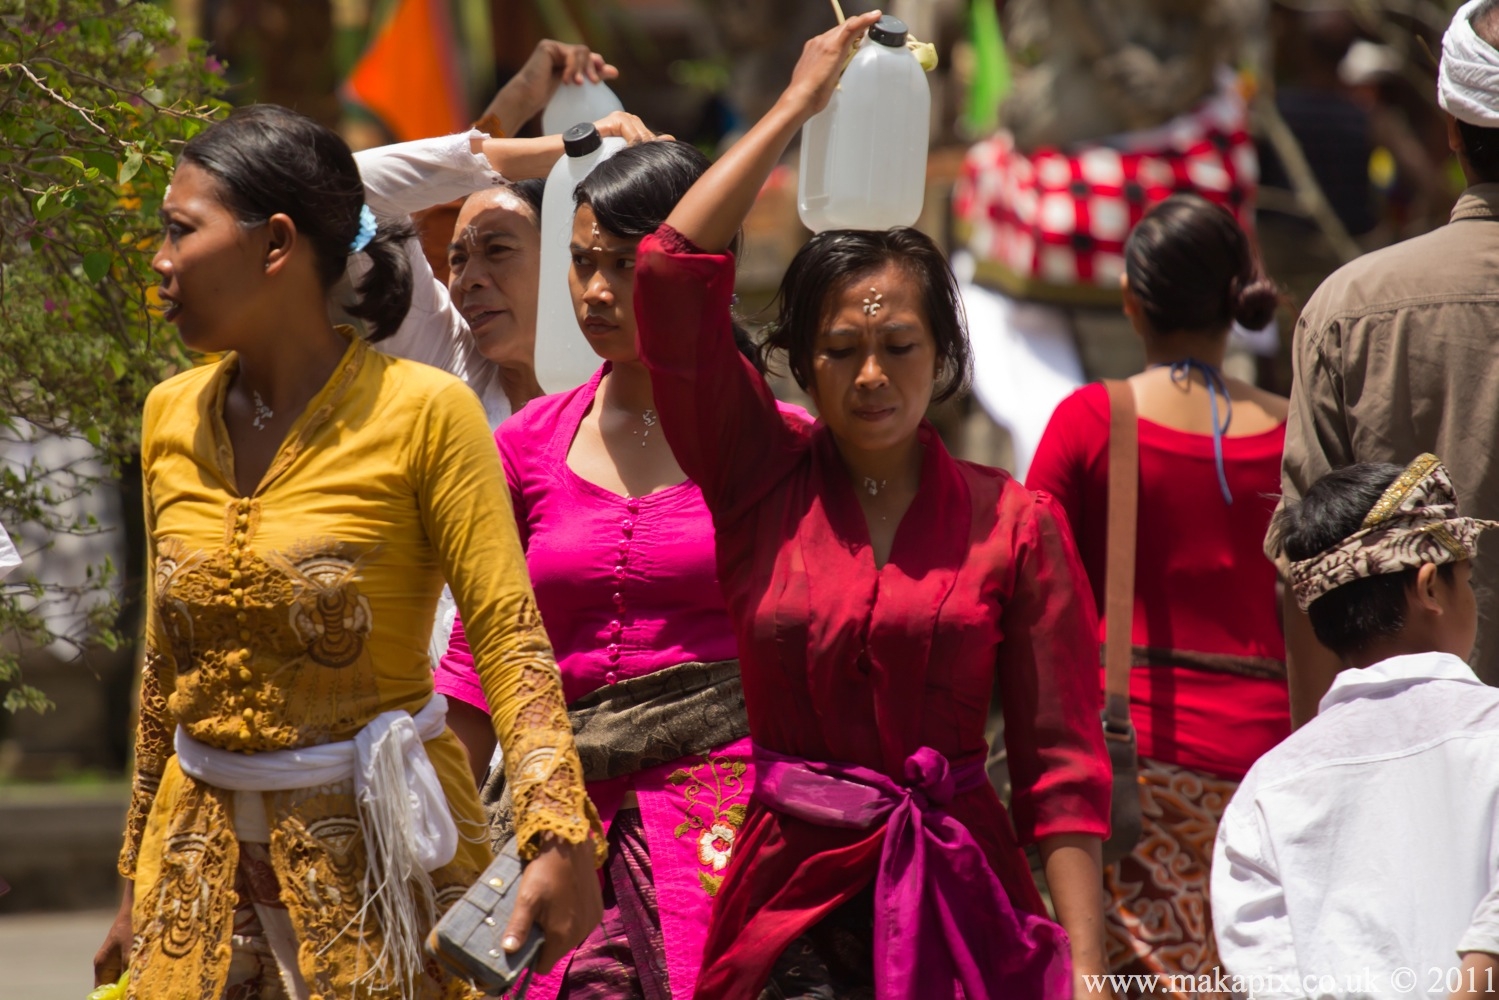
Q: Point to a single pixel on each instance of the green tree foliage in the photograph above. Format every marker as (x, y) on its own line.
(95, 98)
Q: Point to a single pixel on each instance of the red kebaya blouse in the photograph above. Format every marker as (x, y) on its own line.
(1213, 695)
(846, 662)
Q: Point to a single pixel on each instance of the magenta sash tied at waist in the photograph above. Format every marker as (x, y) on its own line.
(940, 912)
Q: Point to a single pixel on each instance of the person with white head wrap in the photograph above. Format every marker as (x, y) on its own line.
(1468, 74)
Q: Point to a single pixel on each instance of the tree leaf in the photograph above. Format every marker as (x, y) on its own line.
(131, 166)
(96, 264)
(102, 162)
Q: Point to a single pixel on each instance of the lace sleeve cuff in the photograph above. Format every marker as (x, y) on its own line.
(142, 794)
(545, 775)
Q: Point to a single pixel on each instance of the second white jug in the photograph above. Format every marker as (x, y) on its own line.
(577, 102)
(563, 358)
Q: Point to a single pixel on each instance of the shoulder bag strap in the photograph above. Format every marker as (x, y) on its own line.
(1119, 576)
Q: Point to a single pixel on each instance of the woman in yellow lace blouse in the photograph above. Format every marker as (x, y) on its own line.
(306, 497)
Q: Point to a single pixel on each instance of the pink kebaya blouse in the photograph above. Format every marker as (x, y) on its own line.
(627, 586)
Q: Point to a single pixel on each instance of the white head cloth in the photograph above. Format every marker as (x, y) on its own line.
(1468, 76)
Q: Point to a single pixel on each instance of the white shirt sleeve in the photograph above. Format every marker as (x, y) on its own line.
(1483, 932)
(1249, 903)
(407, 177)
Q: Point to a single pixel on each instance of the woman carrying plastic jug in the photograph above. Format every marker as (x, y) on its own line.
(481, 324)
(620, 548)
(876, 585)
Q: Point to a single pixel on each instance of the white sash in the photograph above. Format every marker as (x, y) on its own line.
(403, 812)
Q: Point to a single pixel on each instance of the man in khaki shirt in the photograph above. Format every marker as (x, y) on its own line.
(1397, 353)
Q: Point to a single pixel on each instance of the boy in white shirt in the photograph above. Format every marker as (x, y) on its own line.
(1355, 857)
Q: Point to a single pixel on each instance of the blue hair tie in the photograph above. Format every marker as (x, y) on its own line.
(367, 228)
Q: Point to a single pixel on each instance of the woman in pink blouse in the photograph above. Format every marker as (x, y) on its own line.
(621, 553)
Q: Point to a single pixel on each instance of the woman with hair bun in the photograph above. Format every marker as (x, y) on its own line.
(301, 814)
(1208, 689)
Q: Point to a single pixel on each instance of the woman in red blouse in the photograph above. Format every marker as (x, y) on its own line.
(876, 585)
(1208, 694)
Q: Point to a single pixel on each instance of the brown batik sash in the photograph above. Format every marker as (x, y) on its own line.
(688, 710)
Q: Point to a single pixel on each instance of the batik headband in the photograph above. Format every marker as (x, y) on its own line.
(1415, 522)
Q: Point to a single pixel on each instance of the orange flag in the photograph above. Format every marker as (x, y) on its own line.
(410, 77)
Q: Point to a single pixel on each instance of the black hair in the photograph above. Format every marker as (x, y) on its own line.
(530, 191)
(1481, 149)
(633, 191)
(1190, 266)
(267, 160)
(1352, 617)
(833, 258)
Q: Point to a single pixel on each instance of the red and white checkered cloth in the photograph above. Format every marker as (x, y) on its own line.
(1059, 219)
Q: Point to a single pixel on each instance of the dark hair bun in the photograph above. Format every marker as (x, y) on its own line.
(1191, 267)
(1255, 303)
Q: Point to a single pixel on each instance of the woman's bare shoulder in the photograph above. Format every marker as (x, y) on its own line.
(1273, 408)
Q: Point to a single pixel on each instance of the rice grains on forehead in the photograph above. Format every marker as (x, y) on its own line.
(836, 260)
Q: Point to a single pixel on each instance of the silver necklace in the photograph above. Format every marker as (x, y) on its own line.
(263, 413)
(873, 486)
(649, 419)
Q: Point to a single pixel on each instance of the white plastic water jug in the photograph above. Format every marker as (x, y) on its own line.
(578, 102)
(563, 358)
(863, 160)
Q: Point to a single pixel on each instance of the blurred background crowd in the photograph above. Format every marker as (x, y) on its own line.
(1316, 122)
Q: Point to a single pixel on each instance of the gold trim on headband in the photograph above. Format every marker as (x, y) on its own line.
(1401, 488)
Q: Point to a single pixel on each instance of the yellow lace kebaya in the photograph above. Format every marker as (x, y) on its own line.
(291, 618)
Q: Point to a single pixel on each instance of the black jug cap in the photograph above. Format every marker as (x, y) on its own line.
(889, 31)
(581, 139)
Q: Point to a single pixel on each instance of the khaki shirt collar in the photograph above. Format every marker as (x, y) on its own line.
(1481, 201)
